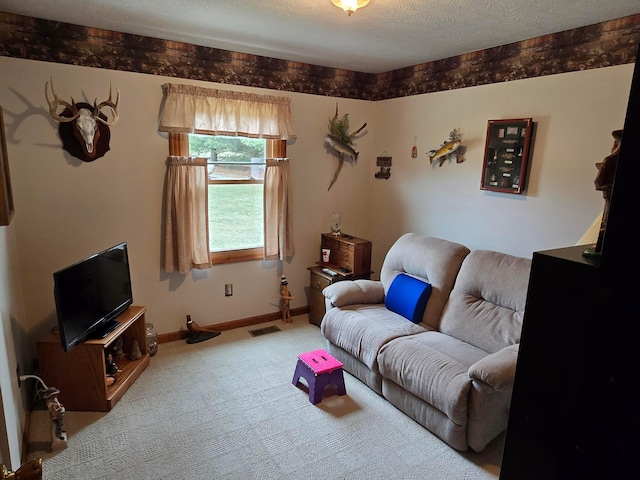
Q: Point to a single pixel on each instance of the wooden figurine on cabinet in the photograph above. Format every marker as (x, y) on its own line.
(604, 184)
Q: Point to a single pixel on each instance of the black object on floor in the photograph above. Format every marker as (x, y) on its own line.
(197, 337)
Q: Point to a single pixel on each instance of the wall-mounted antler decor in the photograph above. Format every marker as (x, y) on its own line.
(84, 129)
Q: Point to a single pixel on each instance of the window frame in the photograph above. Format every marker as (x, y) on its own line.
(179, 145)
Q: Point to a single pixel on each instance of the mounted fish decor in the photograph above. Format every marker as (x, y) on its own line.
(341, 141)
(451, 148)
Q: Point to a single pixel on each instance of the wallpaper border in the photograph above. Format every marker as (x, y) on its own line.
(614, 42)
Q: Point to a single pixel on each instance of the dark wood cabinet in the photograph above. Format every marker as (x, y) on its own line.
(350, 259)
(574, 411)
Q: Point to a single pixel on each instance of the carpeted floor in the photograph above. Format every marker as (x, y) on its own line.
(226, 409)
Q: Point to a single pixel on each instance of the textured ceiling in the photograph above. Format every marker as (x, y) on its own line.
(383, 36)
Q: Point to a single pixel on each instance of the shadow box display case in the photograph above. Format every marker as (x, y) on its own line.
(506, 154)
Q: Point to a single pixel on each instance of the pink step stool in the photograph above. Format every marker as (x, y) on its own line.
(319, 369)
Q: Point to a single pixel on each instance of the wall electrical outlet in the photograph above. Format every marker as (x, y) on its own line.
(228, 289)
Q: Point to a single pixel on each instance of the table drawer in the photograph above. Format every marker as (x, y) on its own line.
(319, 283)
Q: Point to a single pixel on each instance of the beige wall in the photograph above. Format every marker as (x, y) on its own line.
(66, 209)
(575, 114)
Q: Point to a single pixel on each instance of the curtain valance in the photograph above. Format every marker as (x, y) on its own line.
(191, 109)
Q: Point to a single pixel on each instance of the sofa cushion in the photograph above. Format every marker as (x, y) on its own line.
(354, 292)
(361, 330)
(433, 367)
(408, 296)
(431, 259)
(487, 302)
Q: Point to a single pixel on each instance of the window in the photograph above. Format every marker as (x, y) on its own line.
(187, 108)
(236, 192)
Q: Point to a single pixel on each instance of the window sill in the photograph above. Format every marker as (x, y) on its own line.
(233, 256)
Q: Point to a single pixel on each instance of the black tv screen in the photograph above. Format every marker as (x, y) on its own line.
(90, 294)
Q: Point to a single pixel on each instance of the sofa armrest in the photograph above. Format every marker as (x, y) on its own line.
(497, 370)
(353, 292)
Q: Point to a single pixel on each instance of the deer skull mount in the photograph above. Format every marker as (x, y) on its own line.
(84, 129)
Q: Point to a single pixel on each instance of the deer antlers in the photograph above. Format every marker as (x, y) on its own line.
(108, 103)
(53, 105)
(75, 112)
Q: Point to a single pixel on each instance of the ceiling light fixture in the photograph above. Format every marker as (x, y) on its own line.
(350, 6)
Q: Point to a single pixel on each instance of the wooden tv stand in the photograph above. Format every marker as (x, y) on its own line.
(80, 373)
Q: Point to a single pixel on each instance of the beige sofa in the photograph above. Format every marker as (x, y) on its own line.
(453, 370)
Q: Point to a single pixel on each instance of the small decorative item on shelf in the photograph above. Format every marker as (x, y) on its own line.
(152, 340)
(111, 369)
(110, 366)
(135, 351)
(336, 220)
(118, 351)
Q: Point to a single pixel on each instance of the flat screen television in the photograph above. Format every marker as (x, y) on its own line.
(90, 295)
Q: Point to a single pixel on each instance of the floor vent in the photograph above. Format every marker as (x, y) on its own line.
(264, 331)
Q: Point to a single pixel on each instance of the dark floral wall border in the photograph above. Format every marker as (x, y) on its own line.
(601, 45)
(605, 44)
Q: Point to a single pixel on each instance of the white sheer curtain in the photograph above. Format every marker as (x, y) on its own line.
(190, 109)
(278, 216)
(186, 215)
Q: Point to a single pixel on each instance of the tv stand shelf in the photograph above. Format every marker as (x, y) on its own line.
(80, 374)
